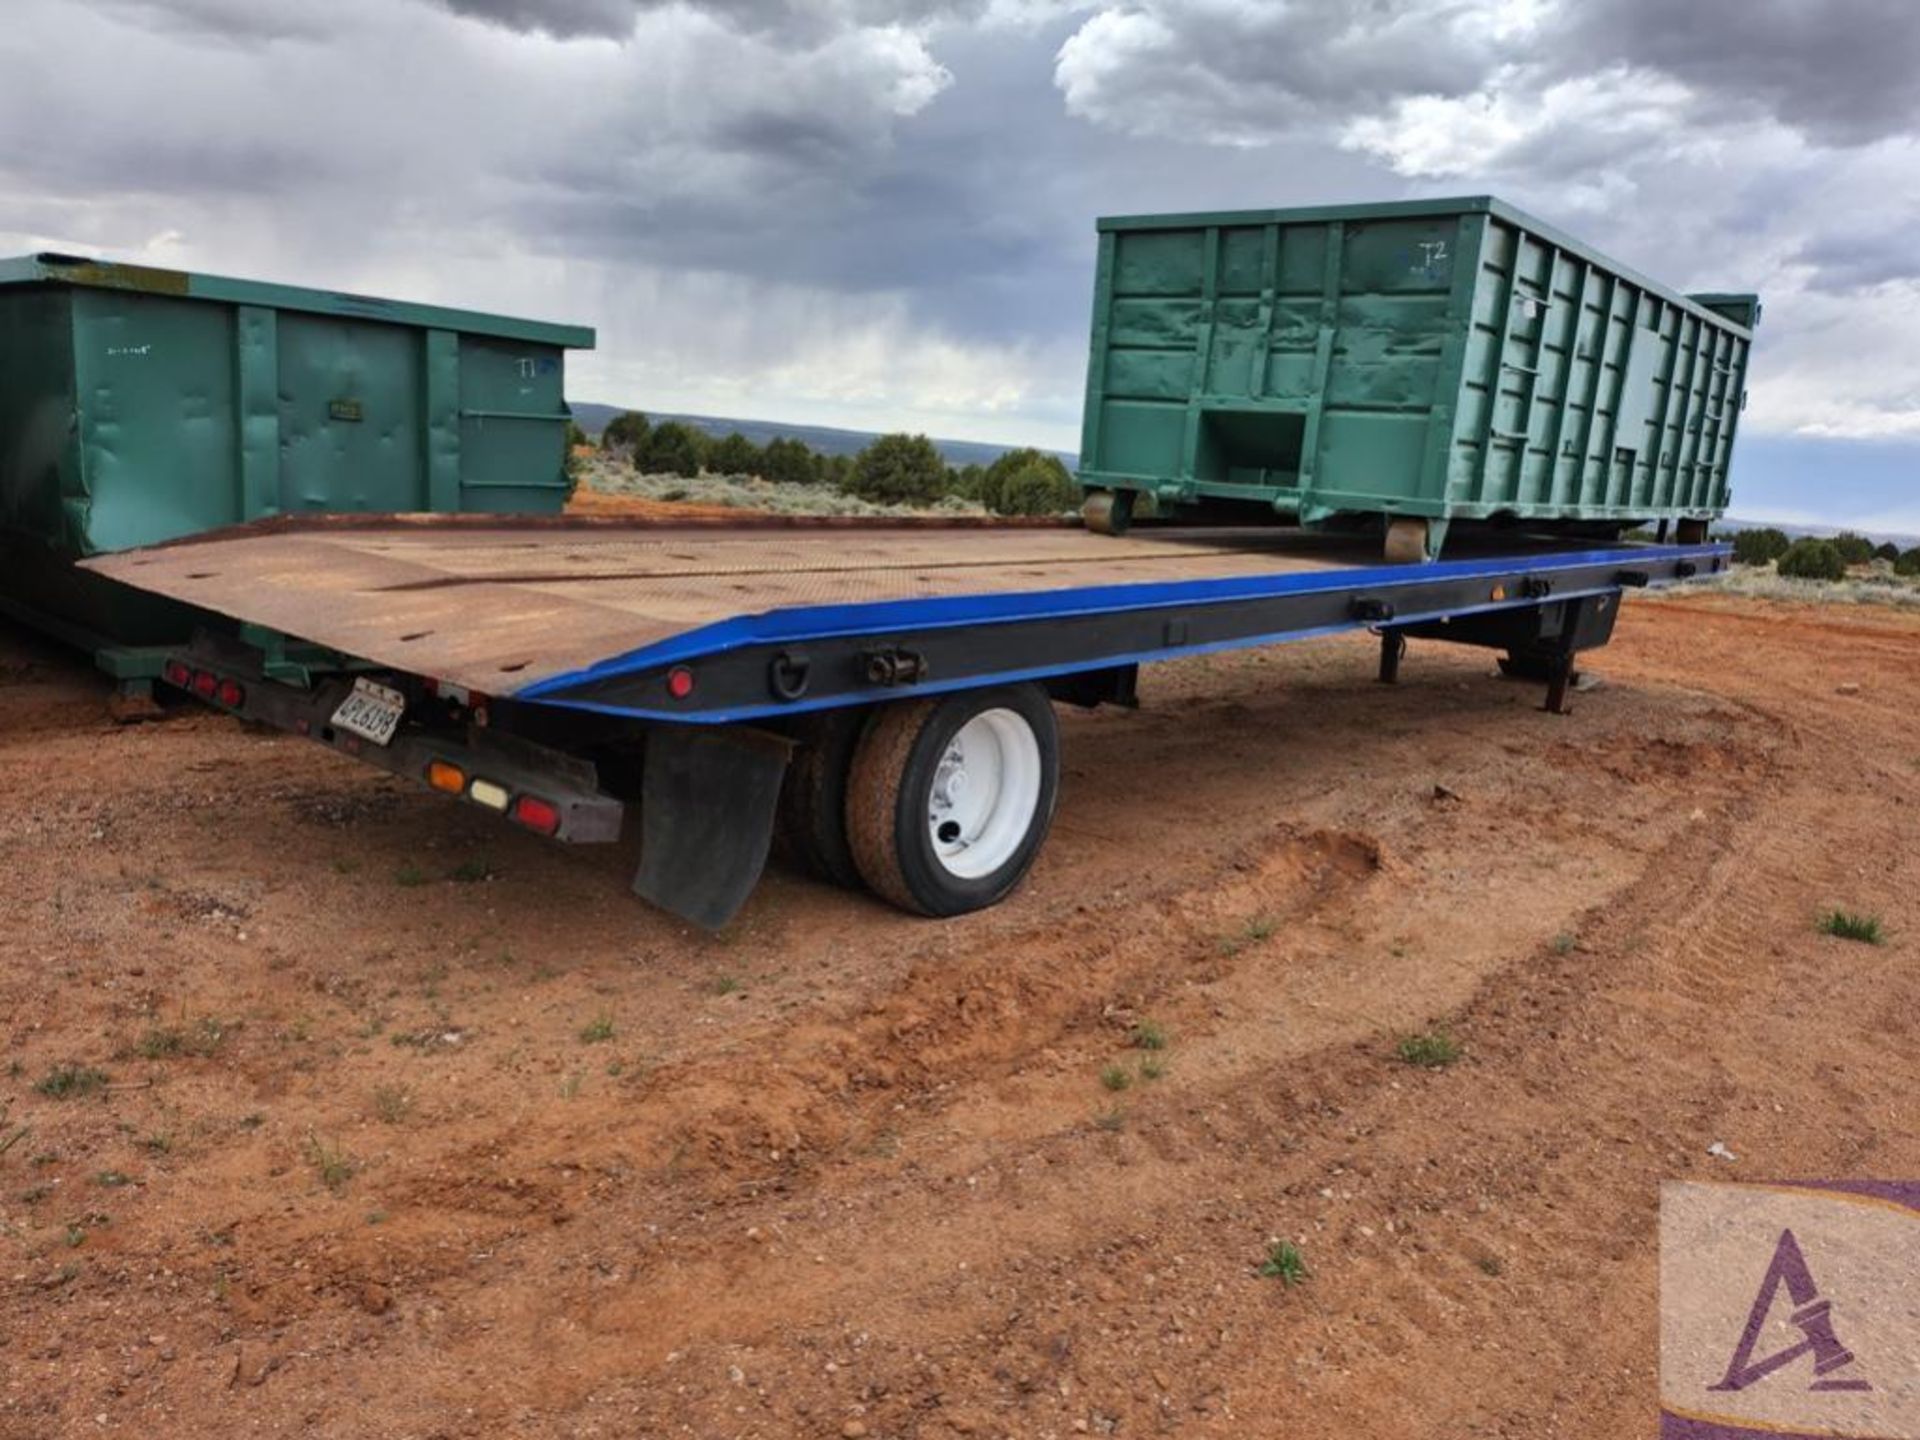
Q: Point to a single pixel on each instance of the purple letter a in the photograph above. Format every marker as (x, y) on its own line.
(1811, 1313)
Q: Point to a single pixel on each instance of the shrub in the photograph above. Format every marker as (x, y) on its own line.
(1044, 486)
(1887, 551)
(671, 449)
(628, 429)
(965, 481)
(1809, 559)
(1041, 489)
(1853, 549)
(1908, 563)
(734, 455)
(790, 462)
(1759, 547)
(576, 437)
(836, 470)
(898, 470)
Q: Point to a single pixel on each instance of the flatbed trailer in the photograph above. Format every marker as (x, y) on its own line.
(879, 694)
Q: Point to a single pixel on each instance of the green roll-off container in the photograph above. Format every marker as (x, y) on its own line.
(1429, 362)
(139, 405)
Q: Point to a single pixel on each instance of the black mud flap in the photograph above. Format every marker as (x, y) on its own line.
(706, 818)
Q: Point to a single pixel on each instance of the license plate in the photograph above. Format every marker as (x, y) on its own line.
(372, 712)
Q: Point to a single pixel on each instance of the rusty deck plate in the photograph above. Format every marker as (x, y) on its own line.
(500, 606)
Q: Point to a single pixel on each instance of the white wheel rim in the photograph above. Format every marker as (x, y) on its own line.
(986, 791)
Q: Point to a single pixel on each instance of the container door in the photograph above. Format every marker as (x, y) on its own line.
(350, 405)
(513, 426)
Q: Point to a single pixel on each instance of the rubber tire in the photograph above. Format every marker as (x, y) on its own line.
(811, 823)
(892, 778)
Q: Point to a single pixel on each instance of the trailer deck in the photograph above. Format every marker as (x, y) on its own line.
(596, 614)
(881, 694)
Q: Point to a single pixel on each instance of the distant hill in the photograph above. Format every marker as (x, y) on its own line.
(1818, 532)
(826, 439)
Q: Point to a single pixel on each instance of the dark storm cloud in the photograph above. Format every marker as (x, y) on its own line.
(1845, 72)
(1850, 263)
(614, 19)
(1842, 72)
(235, 21)
(564, 19)
(1243, 71)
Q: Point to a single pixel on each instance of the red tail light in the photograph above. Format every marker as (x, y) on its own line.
(230, 694)
(205, 682)
(177, 672)
(536, 814)
(680, 682)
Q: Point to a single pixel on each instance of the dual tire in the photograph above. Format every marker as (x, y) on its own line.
(937, 805)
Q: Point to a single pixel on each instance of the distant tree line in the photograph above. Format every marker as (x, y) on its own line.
(1810, 558)
(897, 469)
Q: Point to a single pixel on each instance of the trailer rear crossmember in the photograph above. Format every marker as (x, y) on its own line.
(885, 706)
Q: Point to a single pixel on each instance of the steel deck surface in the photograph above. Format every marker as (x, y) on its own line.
(526, 606)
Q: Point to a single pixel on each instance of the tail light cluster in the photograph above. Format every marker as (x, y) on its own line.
(221, 690)
(538, 815)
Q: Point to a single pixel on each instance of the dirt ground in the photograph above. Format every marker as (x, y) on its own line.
(382, 1120)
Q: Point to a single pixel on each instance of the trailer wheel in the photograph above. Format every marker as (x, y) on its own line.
(812, 819)
(949, 799)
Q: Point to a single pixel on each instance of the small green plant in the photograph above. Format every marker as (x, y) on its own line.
(1285, 1263)
(76, 1236)
(409, 876)
(598, 1030)
(1847, 925)
(345, 865)
(1260, 927)
(1432, 1049)
(159, 1144)
(472, 872)
(1115, 1078)
(1149, 1035)
(1112, 1121)
(113, 1179)
(1564, 942)
(64, 1082)
(392, 1103)
(333, 1165)
(199, 1039)
(1152, 1068)
(1490, 1265)
(726, 985)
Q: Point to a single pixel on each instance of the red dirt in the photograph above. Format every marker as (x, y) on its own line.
(839, 1171)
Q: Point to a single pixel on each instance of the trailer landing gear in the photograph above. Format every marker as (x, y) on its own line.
(1108, 512)
(1414, 539)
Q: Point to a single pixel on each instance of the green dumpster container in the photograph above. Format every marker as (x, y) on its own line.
(138, 405)
(1427, 363)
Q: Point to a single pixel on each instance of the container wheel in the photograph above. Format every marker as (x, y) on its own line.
(1406, 541)
(949, 799)
(811, 823)
(1108, 512)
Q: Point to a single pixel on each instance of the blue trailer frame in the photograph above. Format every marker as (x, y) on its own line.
(767, 719)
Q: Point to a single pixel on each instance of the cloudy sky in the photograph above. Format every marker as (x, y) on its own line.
(881, 215)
